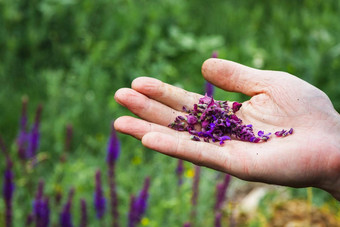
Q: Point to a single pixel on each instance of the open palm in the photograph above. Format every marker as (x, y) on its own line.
(309, 157)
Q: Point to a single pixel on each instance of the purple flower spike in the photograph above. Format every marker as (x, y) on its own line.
(99, 199)
(7, 192)
(113, 196)
(41, 210)
(195, 192)
(221, 190)
(209, 89)
(214, 54)
(133, 211)
(195, 186)
(34, 135)
(65, 218)
(23, 137)
(138, 204)
(29, 219)
(179, 171)
(218, 219)
(113, 148)
(83, 213)
(113, 151)
(142, 199)
(187, 224)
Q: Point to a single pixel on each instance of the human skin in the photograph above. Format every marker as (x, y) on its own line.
(308, 157)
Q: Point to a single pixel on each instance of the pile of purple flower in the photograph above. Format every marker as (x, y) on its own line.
(216, 121)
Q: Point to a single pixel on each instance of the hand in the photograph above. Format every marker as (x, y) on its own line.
(308, 157)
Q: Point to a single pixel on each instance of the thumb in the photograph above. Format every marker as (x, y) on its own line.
(234, 77)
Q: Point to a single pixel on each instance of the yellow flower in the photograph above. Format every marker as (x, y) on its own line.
(190, 173)
(145, 221)
(136, 160)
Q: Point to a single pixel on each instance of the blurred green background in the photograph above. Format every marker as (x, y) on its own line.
(72, 55)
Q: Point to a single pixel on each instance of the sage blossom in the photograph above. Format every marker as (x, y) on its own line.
(34, 135)
(99, 199)
(217, 122)
(65, 218)
(221, 190)
(83, 213)
(41, 211)
(138, 205)
(7, 192)
(113, 151)
(179, 171)
(23, 136)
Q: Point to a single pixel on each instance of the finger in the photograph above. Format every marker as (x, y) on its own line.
(146, 108)
(235, 77)
(138, 128)
(171, 96)
(228, 158)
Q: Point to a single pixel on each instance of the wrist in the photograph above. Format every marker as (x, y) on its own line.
(333, 189)
(331, 182)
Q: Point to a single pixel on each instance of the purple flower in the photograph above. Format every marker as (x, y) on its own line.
(209, 88)
(23, 137)
(214, 54)
(65, 218)
(142, 199)
(195, 186)
(29, 219)
(99, 199)
(263, 136)
(187, 224)
(236, 106)
(192, 119)
(221, 190)
(223, 138)
(113, 151)
(41, 211)
(218, 220)
(132, 212)
(113, 195)
(179, 171)
(7, 192)
(216, 121)
(138, 204)
(195, 191)
(34, 135)
(83, 213)
(284, 133)
(113, 148)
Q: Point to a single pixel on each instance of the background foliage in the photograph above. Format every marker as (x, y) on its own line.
(72, 55)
